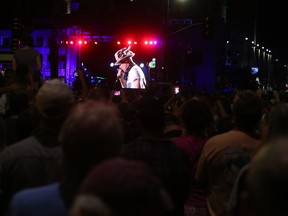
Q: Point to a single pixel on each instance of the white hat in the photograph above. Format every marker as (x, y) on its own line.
(123, 54)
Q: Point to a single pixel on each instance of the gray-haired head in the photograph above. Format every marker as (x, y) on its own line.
(54, 100)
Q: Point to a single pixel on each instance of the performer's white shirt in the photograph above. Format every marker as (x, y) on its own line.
(136, 73)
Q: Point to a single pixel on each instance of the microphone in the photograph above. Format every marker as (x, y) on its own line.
(117, 81)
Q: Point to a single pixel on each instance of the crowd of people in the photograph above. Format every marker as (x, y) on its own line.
(146, 153)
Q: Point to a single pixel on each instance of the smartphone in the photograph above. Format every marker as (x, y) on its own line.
(176, 89)
(117, 93)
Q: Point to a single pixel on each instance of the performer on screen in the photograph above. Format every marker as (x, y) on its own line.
(129, 73)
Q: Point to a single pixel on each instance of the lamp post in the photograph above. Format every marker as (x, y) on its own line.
(165, 37)
(167, 34)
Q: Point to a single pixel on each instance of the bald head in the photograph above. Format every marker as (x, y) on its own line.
(267, 179)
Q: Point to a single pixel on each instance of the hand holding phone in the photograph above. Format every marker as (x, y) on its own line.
(176, 89)
(117, 93)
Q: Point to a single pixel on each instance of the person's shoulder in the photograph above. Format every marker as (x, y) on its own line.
(29, 49)
(187, 141)
(34, 192)
(178, 149)
(135, 67)
(141, 143)
(17, 52)
(133, 143)
(30, 201)
(29, 146)
(225, 137)
(18, 146)
(168, 146)
(34, 51)
(27, 198)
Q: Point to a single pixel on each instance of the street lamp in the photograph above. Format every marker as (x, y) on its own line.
(165, 38)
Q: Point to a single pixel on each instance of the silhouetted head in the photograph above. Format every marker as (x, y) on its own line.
(267, 179)
(27, 40)
(277, 121)
(53, 101)
(197, 117)
(247, 111)
(124, 188)
(151, 114)
(91, 133)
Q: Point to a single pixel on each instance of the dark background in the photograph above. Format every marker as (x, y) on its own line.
(122, 14)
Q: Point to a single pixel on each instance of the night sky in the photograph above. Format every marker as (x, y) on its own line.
(271, 29)
(272, 24)
(271, 17)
